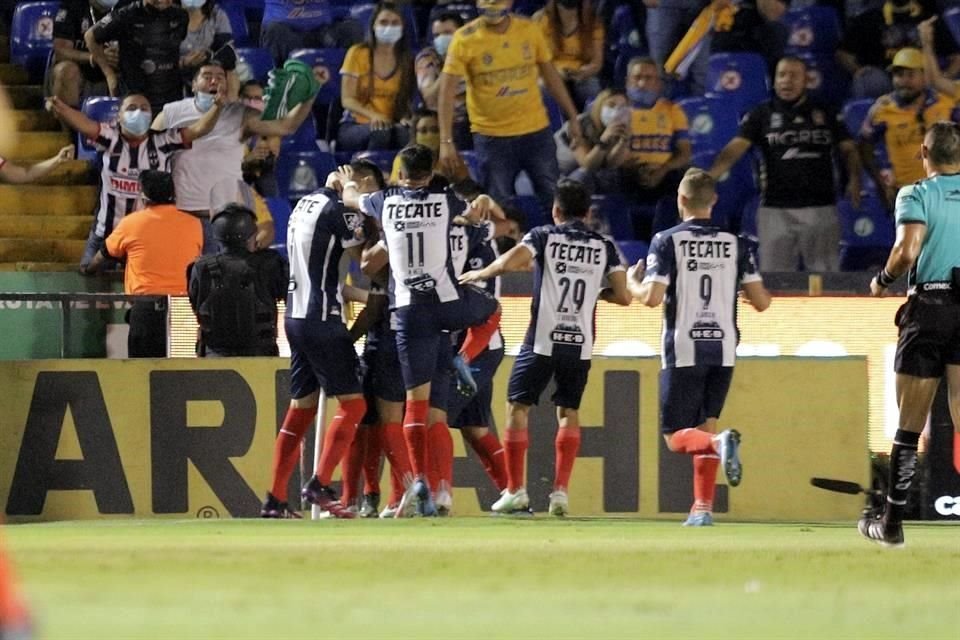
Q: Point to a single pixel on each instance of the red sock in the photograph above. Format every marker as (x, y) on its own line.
(704, 481)
(338, 437)
(440, 451)
(13, 614)
(478, 337)
(371, 459)
(395, 448)
(287, 447)
(692, 441)
(515, 445)
(415, 433)
(491, 454)
(567, 444)
(352, 463)
(397, 485)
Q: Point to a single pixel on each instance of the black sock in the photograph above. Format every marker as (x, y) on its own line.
(903, 466)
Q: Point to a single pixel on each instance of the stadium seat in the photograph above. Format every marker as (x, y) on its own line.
(951, 17)
(624, 55)
(302, 172)
(101, 109)
(633, 250)
(736, 191)
(303, 139)
(383, 159)
(827, 81)
(740, 79)
(854, 112)
(326, 65)
(812, 29)
(866, 234)
(473, 165)
(712, 125)
(253, 63)
(31, 36)
(530, 207)
(280, 210)
(238, 23)
(614, 210)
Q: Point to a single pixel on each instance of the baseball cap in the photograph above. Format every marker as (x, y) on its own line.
(907, 58)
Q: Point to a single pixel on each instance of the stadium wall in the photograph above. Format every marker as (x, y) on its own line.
(194, 438)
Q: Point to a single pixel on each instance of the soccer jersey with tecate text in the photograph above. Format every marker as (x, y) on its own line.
(703, 268)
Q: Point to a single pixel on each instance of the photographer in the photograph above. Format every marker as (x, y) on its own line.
(604, 146)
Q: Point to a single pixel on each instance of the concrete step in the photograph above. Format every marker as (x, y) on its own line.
(13, 74)
(73, 172)
(26, 96)
(38, 266)
(32, 200)
(45, 227)
(31, 120)
(4, 48)
(39, 145)
(33, 250)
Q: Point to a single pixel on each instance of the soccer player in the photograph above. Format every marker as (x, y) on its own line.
(14, 617)
(696, 269)
(415, 218)
(926, 248)
(570, 264)
(322, 354)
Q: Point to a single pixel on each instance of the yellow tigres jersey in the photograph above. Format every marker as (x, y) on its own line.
(902, 130)
(654, 132)
(570, 55)
(503, 93)
(381, 95)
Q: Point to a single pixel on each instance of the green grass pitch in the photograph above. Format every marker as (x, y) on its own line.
(483, 578)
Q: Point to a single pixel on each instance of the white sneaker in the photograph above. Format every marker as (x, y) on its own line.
(444, 502)
(512, 503)
(559, 504)
(390, 511)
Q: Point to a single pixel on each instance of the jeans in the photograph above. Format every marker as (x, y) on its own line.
(148, 330)
(502, 158)
(359, 137)
(281, 39)
(665, 28)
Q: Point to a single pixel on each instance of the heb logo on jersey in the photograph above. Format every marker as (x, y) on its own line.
(706, 331)
(567, 334)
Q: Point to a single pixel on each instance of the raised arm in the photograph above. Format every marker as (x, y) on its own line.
(253, 125)
(931, 67)
(728, 156)
(74, 119)
(16, 174)
(205, 124)
(514, 260)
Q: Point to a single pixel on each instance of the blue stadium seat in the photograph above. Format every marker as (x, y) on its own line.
(616, 212)
(303, 139)
(31, 36)
(280, 210)
(740, 79)
(238, 22)
(854, 113)
(100, 109)
(473, 166)
(712, 124)
(530, 207)
(253, 62)
(736, 191)
(302, 172)
(866, 234)
(383, 159)
(633, 250)
(326, 65)
(951, 17)
(827, 81)
(528, 7)
(812, 29)
(625, 54)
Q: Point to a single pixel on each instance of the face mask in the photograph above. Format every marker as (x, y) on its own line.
(441, 43)
(567, 4)
(256, 104)
(642, 98)
(388, 35)
(192, 4)
(609, 115)
(430, 140)
(106, 5)
(203, 101)
(493, 15)
(136, 122)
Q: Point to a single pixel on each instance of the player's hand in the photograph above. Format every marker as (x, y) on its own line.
(334, 181)
(637, 271)
(925, 30)
(471, 276)
(481, 208)
(450, 160)
(876, 290)
(346, 172)
(66, 154)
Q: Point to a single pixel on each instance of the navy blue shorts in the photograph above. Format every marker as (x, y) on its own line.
(475, 411)
(420, 330)
(321, 356)
(690, 395)
(532, 373)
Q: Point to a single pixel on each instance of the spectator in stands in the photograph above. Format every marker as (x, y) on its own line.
(220, 155)
(260, 157)
(209, 38)
(575, 34)
(158, 243)
(660, 149)
(900, 120)
(429, 64)
(426, 130)
(755, 27)
(74, 72)
(796, 137)
(17, 174)
(377, 86)
(148, 33)
(931, 64)
(667, 23)
(503, 57)
(126, 148)
(872, 38)
(289, 25)
(605, 145)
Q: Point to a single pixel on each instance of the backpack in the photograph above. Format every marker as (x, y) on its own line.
(235, 317)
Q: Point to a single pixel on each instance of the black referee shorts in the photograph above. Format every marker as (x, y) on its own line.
(929, 334)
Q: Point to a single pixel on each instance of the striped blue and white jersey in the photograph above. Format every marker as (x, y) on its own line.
(472, 248)
(570, 263)
(320, 228)
(703, 268)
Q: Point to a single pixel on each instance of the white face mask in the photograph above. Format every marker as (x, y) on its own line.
(192, 4)
(609, 115)
(441, 43)
(390, 34)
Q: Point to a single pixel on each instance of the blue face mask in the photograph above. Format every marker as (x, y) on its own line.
(494, 16)
(388, 35)
(441, 43)
(136, 122)
(192, 4)
(203, 101)
(642, 98)
(107, 5)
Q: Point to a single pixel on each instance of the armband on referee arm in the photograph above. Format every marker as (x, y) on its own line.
(885, 278)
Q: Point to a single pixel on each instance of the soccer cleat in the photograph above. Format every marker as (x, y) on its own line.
(517, 503)
(728, 446)
(874, 528)
(444, 503)
(273, 508)
(326, 499)
(559, 503)
(369, 505)
(407, 508)
(424, 501)
(390, 511)
(466, 384)
(699, 519)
